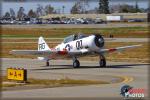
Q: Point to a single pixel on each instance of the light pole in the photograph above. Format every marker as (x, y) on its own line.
(63, 7)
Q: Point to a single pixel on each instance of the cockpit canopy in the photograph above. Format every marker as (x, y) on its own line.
(74, 37)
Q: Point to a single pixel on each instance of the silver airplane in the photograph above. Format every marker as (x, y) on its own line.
(73, 47)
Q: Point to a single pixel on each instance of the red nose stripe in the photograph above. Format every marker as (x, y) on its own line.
(111, 50)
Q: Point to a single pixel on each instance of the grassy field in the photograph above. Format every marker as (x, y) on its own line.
(50, 83)
(139, 32)
(139, 54)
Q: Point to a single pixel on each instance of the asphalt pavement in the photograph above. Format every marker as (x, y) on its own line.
(133, 74)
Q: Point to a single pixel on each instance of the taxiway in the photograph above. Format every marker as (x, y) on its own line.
(133, 74)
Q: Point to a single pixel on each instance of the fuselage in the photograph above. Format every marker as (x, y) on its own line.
(90, 43)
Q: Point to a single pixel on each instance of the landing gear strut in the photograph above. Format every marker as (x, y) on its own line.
(102, 62)
(47, 63)
(76, 63)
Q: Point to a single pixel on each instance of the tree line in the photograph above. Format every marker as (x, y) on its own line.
(40, 11)
(105, 8)
(79, 7)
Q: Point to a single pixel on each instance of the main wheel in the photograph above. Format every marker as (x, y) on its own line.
(47, 63)
(102, 63)
(76, 64)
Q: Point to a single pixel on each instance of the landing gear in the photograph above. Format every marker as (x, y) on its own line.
(76, 63)
(47, 63)
(102, 62)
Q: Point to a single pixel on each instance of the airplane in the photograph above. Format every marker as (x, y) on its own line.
(73, 46)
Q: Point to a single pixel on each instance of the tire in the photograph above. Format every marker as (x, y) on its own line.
(47, 63)
(102, 63)
(76, 64)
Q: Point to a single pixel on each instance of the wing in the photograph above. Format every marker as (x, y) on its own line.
(55, 53)
(30, 52)
(117, 49)
(47, 53)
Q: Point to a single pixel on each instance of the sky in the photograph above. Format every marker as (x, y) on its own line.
(57, 4)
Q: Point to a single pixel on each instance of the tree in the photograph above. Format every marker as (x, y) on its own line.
(129, 8)
(80, 7)
(125, 9)
(20, 13)
(104, 6)
(76, 9)
(7, 15)
(84, 6)
(12, 13)
(49, 9)
(148, 19)
(40, 10)
(32, 14)
(137, 9)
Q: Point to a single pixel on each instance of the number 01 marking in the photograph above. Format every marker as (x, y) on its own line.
(79, 44)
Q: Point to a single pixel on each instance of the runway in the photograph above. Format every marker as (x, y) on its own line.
(133, 74)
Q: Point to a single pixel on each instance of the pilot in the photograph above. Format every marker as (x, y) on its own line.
(80, 35)
(75, 37)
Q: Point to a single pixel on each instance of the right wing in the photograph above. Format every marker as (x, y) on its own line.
(117, 49)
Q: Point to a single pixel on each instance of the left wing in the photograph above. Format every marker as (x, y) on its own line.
(47, 52)
(31, 52)
(51, 54)
(118, 49)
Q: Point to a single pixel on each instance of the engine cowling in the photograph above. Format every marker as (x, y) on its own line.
(99, 40)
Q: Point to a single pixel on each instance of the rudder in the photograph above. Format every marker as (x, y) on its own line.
(42, 45)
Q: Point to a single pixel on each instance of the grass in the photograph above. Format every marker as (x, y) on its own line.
(31, 40)
(53, 83)
(139, 54)
(65, 81)
(54, 33)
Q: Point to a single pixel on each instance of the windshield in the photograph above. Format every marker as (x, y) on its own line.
(69, 39)
(74, 37)
(81, 35)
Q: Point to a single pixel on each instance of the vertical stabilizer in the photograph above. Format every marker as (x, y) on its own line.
(42, 45)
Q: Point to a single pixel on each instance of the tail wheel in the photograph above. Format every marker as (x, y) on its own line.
(76, 64)
(102, 62)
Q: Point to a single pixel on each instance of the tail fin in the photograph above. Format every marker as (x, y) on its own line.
(42, 45)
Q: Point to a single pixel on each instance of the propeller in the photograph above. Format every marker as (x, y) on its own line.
(99, 40)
